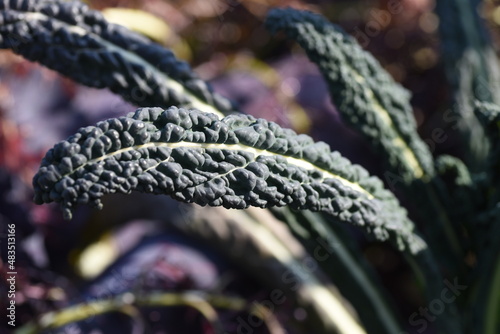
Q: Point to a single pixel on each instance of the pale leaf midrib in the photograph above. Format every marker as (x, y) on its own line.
(408, 154)
(234, 147)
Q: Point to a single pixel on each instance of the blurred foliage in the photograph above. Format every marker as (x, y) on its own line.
(226, 43)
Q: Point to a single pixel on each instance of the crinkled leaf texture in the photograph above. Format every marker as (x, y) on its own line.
(235, 162)
(364, 93)
(78, 42)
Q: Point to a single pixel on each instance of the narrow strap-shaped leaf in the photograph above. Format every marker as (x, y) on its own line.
(235, 162)
(350, 271)
(371, 102)
(78, 42)
(277, 261)
(492, 322)
(484, 304)
(425, 268)
(348, 267)
(365, 95)
(486, 300)
(472, 69)
(470, 60)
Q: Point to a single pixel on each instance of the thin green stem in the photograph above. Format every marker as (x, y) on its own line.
(492, 322)
(384, 314)
(205, 303)
(445, 224)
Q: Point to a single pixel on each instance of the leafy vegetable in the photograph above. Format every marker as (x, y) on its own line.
(472, 69)
(78, 42)
(235, 162)
(277, 258)
(370, 101)
(196, 156)
(365, 95)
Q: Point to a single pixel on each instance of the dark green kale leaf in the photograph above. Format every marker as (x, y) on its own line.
(235, 162)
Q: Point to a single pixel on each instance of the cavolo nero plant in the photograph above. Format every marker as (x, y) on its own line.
(194, 145)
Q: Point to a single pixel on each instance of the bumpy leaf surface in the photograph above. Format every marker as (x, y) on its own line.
(365, 95)
(78, 42)
(235, 162)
